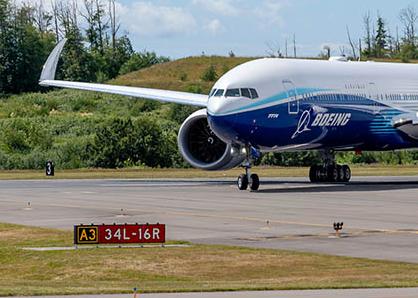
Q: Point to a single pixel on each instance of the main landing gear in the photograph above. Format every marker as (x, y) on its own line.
(248, 180)
(329, 171)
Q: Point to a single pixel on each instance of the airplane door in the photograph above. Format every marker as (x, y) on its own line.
(293, 105)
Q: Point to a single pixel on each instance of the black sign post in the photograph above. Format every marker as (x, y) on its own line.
(50, 168)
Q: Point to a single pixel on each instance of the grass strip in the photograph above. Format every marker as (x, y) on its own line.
(149, 173)
(195, 268)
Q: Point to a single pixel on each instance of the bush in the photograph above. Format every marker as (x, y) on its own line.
(195, 89)
(141, 60)
(303, 158)
(183, 77)
(179, 113)
(210, 74)
(122, 141)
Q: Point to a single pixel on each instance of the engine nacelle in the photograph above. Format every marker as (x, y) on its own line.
(201, 148)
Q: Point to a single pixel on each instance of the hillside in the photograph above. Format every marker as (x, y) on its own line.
(186, 74)
(79, 129)
(180, 75)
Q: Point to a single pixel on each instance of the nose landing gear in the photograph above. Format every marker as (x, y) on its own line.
(248, 180)
(330, 171)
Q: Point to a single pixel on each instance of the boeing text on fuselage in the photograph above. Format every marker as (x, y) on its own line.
(321, 120)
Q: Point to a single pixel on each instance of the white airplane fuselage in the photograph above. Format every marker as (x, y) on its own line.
(312, 104)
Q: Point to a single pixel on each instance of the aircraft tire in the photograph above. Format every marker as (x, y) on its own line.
(332, 174)
(322, 174)
(254, 182)
(313, 174)
(242, 182)
(340, 173)
(347, 173)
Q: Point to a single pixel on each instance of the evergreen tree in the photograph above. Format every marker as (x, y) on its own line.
(78, 64)
(23, 49)
(381, 38)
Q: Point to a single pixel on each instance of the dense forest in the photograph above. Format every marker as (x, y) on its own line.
(81, 129)
(96, 54)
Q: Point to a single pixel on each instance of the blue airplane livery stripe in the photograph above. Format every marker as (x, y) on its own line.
(365, 128)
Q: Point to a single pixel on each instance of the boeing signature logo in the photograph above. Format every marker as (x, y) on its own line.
(321, 120)
(304, 121)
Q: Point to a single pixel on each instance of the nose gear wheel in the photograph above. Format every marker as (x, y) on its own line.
(248, 179)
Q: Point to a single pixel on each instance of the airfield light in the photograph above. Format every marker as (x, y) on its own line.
(338, 226)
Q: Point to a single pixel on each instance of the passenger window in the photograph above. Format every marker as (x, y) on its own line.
(232, 93)
(245, 92)
(219, 92)
(254, 94)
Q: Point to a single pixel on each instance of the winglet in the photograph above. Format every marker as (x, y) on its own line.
(50, 67)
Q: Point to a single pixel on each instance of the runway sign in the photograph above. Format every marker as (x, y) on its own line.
(119, 234)
(86, 234)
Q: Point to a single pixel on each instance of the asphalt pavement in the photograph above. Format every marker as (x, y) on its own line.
(380, 214)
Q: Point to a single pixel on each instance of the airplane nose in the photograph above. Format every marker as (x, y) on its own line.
(215, 105)
(222, 125)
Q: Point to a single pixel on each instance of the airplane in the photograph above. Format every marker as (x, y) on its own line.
(276, 105)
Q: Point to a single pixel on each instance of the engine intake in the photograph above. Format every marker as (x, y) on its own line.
(201, 148)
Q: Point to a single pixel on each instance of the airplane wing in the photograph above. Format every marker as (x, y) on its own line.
(407, 123)
(48, 79)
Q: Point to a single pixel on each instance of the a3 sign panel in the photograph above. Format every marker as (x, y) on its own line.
(119, 234)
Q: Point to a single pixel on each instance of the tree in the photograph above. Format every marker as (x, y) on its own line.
(114, 24)
(141, 60)
(210, 74)
(327, 51)
(368, 34)
(29, 32)
(409, 18)
(352, 45)
(78, 64)
(94, 16)
(42, 18)
(23, 49)
(115, 57)
(381, 38)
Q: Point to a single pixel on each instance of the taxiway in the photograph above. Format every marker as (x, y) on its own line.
(380, 214)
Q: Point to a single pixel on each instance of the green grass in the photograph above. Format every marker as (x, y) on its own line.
(149, 173)
(195, 268)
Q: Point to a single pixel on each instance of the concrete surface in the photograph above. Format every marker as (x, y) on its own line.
(366, 293)
(380, 214)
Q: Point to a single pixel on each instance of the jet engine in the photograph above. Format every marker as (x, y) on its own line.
(201, 148)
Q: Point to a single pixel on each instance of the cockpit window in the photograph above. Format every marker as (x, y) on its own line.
(232, 93)
(212, 92)
(254, 94)
(245, 92)
(219, 92)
